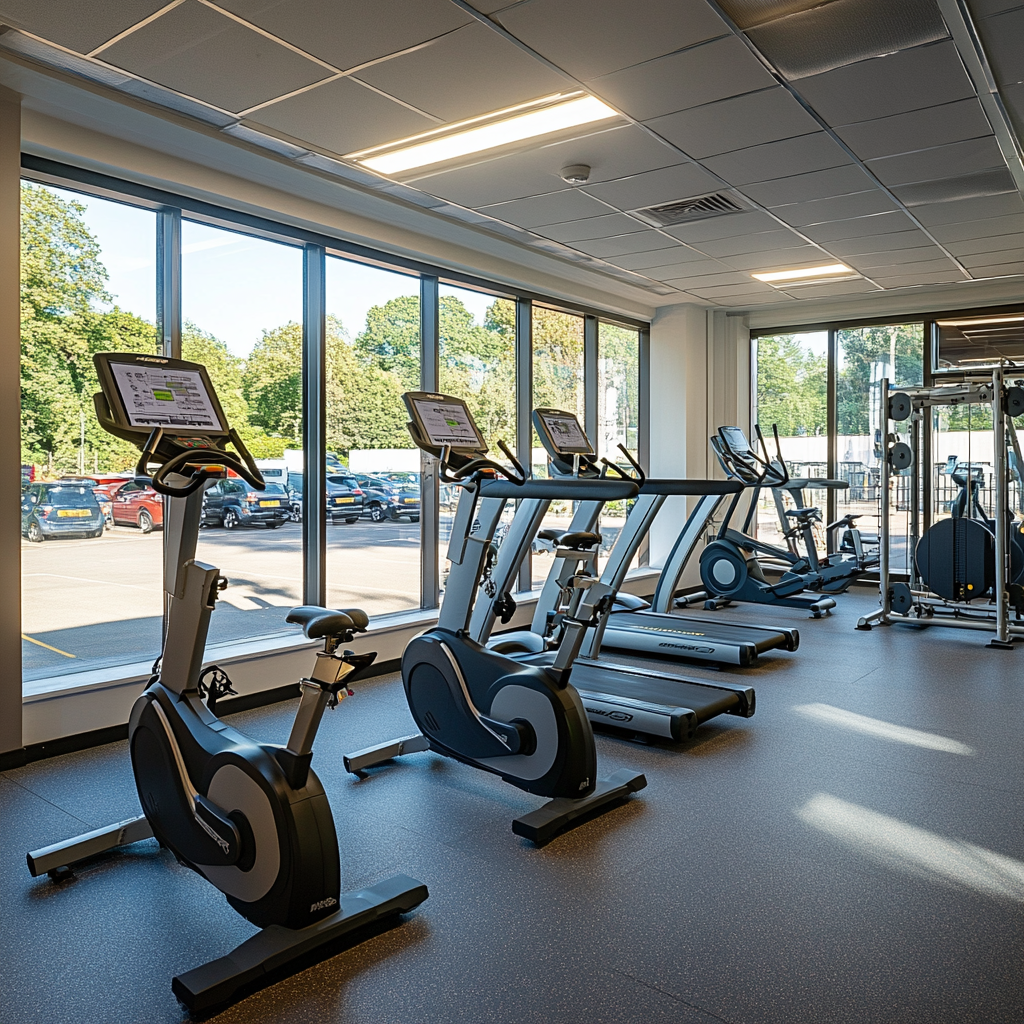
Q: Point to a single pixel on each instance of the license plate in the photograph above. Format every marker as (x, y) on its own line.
(269, 504)
(343, 501)
(411, 501)
(73, 513)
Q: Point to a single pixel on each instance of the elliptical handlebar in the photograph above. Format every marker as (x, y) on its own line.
(474, 469)
(201, 461)
(640, 477)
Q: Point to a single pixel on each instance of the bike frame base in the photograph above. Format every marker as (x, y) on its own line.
(273, 948)
(561, 814)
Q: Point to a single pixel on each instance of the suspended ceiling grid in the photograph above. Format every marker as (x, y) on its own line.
(848, 131)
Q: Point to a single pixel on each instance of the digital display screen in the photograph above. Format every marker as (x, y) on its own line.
(448, 423)
(162, 396)
(566, 433)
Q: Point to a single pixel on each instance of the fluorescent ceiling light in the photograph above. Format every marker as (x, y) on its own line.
(577, 111)
(828, 270)
(976, 323)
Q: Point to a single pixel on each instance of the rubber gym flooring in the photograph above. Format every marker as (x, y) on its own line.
(852, 853)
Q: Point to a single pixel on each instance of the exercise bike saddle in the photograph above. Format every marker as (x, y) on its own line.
(578, 541)
(319, 622)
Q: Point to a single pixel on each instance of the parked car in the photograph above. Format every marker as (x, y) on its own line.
(232, 502)
(385, 499)
(137, 505)
(294, 489)
(103, 486)
(344, 497)
(62, 508)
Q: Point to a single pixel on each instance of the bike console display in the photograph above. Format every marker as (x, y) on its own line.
(443, 421)
(560, 432)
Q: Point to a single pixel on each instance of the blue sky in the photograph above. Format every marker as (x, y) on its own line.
(233, 285)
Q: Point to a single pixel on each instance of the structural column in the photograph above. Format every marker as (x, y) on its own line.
(314, 425)
(11, 751)
(430, 488)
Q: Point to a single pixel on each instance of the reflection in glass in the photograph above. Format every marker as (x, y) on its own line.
(88, 284)
(242, 318)
(373, 472)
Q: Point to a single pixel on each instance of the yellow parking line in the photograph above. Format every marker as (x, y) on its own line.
(56, 650)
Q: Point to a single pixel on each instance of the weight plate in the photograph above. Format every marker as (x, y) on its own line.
(1015, 401)
(901, 599)
(899, 406)
(900, 456)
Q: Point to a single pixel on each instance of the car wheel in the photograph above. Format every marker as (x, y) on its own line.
(351, 519)
(35, 533)
(274, 526)
(377, 513)
(93, 534)
(230, 520)
(414, 519)
(145, 522)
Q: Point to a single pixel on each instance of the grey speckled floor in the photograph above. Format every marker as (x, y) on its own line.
(853, 853)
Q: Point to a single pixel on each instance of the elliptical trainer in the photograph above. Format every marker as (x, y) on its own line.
(524, 723)
(251, 818)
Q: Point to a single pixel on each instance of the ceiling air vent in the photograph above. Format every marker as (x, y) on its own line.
(682, 211)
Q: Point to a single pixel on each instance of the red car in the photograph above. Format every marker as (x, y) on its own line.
(137, 505)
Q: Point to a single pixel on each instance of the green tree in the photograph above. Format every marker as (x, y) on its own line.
(391, 340)
(863, 352)
(791, 387)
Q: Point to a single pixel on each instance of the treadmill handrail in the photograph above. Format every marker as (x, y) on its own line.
(567, 488)
(696, 488)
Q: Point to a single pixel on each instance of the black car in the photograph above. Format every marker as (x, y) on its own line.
(344, 497)
(62, 509)
(232, 502)
(385, 498)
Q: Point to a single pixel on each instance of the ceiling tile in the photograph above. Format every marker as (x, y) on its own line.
(986, 8)
(623, 245)
(589, 38)
(821, 291)
(914, 280)
(748, 13)
(660, 263)
(862, 204)
(1000, 257)
(700, 74)
(966, 186)
(917, 254)
(779, 259)
(467, 72)
(979, 228)
(653, 187)
(878, 243)
(490, 6)
(735, 123)
(711, 280)
(555, 208)
(842, 32)
(898, 82)
(761, 241)
(341, 117)
(990, 244)
(1003, 36)
(901, 269)
(805, 153)
(999, 270)
(918, 129)
(941, 162)
(610, 153)
(727, 226)
(981, 208)
(879, 224)
(739, 292)
(593, 227)
(79, 27)
(801, 188)
(196, 51)
(347, 33)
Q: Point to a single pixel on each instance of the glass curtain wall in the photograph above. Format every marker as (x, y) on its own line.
(792, 396)
(373, 469)
(864, 356)
(477, 362)
(558, 382)
(618, 414)
(242, 318)
(91, 559)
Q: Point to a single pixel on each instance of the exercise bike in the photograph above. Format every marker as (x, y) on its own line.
(524, 723)
(251, 818)
(729, 569)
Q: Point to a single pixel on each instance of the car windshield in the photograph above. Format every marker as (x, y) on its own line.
(68, 494)
(273, 489)
(404, 479)
(343, 481)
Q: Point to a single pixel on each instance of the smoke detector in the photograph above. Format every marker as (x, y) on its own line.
(575, 174)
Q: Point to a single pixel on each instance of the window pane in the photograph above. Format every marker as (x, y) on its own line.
(792, 395)
(618, 400)
(87, 285)
(865, 356)
(558, 384)
(242, 314)
(477, 357)
(373, 356)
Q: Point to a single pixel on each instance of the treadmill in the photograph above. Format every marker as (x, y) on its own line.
(639, 700)
(632, 624)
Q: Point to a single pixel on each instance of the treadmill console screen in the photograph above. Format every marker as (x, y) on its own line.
(565, 433)
(447, 422)
(173, 397)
